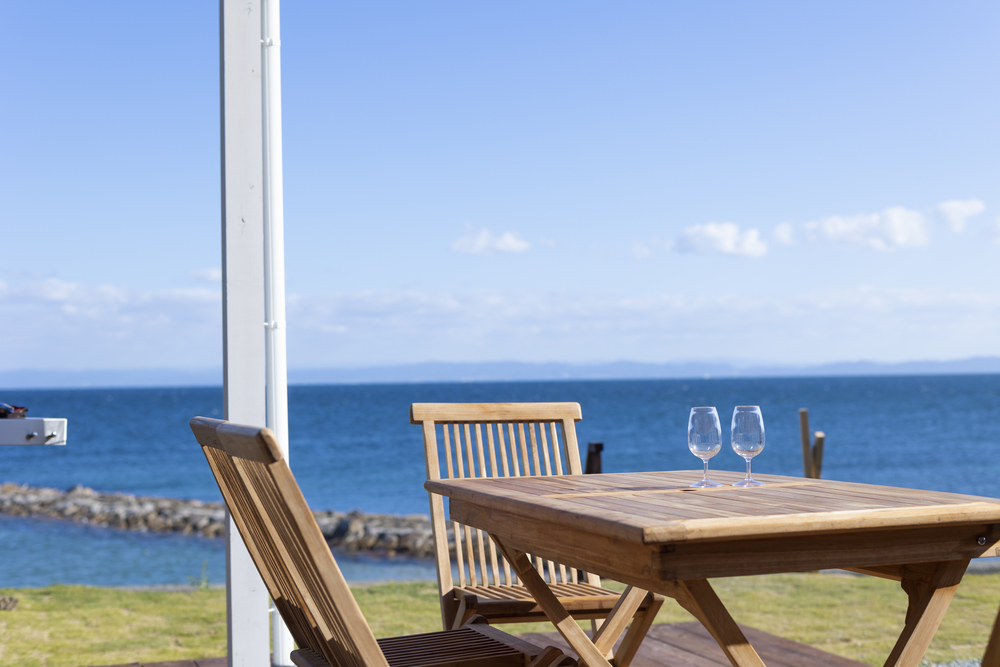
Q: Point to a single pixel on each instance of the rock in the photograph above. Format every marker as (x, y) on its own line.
(406, 535)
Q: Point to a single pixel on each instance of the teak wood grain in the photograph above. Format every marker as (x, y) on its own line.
(508, 441)
(305, 582)
(652, 531)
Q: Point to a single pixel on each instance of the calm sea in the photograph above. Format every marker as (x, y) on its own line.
(353, 447)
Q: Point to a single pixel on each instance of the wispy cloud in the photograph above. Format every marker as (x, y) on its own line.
(71, 325)
(485, 242)
(784, 233)
(211, 275)
(895, 227)
(721, 237)
(956, 211)
(861, 322)
(642, 250)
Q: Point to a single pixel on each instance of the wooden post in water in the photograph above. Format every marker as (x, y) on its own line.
(807, 464)
(593, 466)
(812, 454)
(817, 454)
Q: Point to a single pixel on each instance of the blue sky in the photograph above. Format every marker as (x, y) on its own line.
(560, 181)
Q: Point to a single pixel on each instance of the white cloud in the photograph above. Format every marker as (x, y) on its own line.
(721, 237)
(212, 275)
(484, 242)
(641, 250)
(895, 227)
(67, 324)
(854, 323)
(784, 233)
(71, 325)
(956, 211)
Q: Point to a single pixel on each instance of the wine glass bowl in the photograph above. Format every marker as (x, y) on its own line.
(704, 439)
(748, 437)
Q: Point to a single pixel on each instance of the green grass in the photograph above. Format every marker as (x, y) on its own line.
(857, 617)
(73, 626)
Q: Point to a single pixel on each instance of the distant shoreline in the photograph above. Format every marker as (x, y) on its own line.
(506, 371)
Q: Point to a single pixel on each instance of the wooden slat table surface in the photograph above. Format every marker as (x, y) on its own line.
(654, 532)
(661, 507)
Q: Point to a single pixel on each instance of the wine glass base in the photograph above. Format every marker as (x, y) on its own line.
(705, 484)
(749, 482)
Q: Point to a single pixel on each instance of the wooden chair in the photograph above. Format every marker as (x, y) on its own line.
(305, 583)
(507, 440)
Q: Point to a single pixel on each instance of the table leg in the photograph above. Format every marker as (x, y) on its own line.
(928, 603)
(590, 655)
(992, 656)
(698, 597)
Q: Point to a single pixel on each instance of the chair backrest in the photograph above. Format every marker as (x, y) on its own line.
(286, 544)
(493, 440)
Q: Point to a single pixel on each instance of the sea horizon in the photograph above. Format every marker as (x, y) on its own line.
(433, 372)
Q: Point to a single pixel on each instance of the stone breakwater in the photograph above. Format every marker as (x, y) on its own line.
(355, 531)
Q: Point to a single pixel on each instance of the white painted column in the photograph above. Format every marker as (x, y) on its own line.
(276, 372)
(242, 298)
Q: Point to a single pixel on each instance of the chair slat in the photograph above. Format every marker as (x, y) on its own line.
(556, 447)
(534, 450)
(492, 453)
(525, 461)
(466, 531)
(544, 443)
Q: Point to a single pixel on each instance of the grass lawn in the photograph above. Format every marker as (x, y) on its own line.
(857, 617)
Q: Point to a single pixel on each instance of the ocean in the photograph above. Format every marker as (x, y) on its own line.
(352, 447)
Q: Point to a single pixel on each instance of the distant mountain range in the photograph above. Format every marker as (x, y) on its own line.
(498, 371)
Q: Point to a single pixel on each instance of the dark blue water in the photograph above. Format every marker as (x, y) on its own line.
(353, 447)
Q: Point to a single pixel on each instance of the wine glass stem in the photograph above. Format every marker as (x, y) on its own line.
(748, 471)
(705, 476)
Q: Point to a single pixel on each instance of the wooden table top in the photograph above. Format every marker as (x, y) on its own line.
(660, 507)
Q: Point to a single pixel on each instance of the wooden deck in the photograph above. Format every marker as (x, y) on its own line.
(666, 645)
(690, 645)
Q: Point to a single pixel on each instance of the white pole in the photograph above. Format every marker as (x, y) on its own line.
(242, 310)
(274, 267)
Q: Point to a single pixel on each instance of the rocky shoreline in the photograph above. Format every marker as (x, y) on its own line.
(384, 534)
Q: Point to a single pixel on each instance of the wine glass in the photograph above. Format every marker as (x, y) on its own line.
(704, 439)
(748, 437)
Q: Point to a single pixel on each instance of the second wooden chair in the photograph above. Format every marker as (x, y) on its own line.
(506, 440)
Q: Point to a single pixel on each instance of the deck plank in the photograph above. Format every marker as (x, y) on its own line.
(690, 645)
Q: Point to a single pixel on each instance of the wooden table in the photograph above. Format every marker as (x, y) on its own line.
(655, 533)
